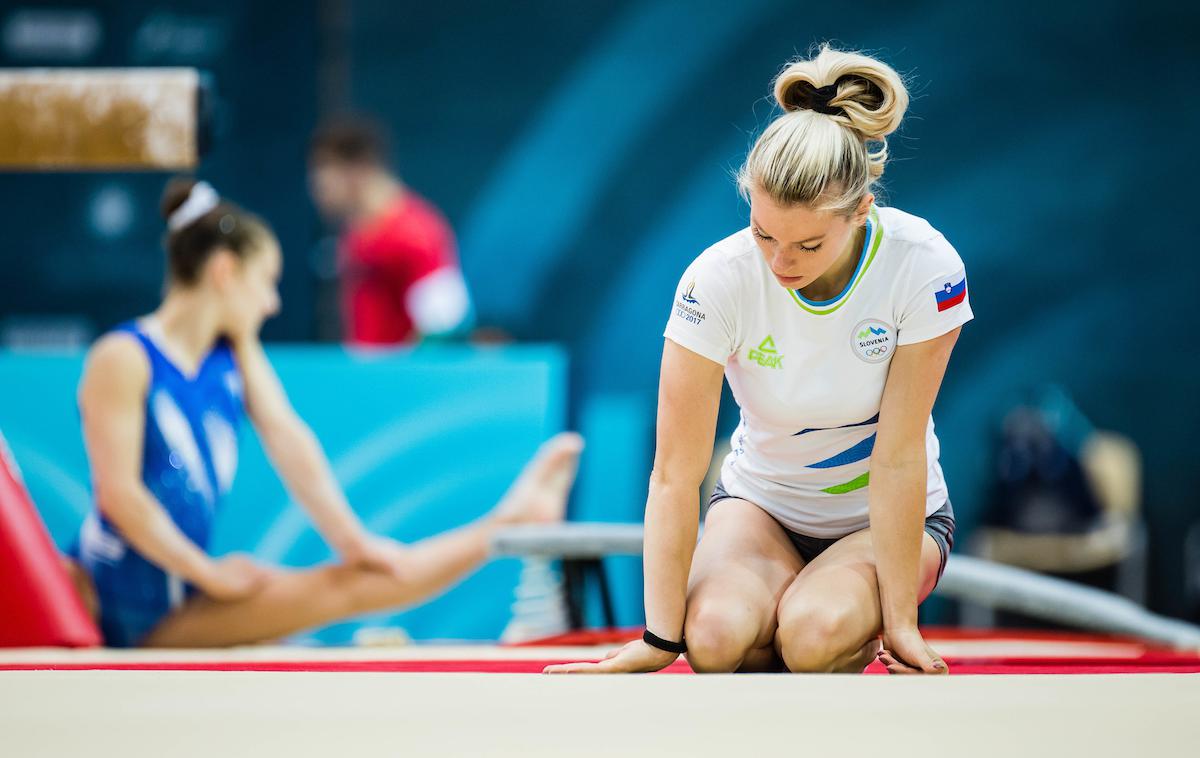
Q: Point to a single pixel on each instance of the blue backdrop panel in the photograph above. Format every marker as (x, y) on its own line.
(612, 486)
(421, 442)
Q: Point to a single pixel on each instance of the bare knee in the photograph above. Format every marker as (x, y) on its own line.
(365, 590)
(815, 639)
(717, 641)
(346, 588)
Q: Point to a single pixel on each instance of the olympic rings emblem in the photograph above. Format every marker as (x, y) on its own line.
(873, 340)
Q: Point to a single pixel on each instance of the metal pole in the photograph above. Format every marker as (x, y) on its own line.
(966, 578)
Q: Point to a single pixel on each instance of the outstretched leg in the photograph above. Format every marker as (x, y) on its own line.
(292, 601)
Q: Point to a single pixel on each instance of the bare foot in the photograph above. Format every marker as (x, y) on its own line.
(539, 495)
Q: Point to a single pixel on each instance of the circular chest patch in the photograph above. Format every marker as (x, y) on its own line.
(873, 341)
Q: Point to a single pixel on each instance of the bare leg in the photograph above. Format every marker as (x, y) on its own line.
(829, 618)
(293, 601)
(83, 586)
(742, 567)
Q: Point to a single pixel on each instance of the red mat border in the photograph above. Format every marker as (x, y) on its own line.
(1147, 659)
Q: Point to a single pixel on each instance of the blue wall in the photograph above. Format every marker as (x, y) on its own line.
(583, 152)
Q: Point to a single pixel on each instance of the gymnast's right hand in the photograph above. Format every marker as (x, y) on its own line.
(233, 578)
(635, 657)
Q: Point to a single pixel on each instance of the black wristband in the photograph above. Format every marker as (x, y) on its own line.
(653, 640)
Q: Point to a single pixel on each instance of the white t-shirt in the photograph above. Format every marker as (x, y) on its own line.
(809, 376)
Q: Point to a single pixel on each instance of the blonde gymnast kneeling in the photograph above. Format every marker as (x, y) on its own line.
(833, 320)
(162, 398)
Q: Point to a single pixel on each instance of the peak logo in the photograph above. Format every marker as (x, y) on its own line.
(766, 355)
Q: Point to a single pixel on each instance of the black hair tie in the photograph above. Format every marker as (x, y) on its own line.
(667, 646)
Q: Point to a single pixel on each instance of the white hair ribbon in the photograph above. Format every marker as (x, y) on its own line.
(202, 199)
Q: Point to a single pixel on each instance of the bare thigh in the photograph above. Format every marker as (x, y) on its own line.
(742, 566)
(832, 606)
(290, 601)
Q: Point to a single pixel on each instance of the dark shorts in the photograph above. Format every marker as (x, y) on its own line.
(939, 525)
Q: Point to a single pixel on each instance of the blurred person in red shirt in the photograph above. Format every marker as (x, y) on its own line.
(400, 278)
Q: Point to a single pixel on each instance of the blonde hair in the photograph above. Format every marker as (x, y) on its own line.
(829, 146)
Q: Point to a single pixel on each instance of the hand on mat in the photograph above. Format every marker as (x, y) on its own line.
(377, 554)
(635, 657)
(905, 652)
(235, 577)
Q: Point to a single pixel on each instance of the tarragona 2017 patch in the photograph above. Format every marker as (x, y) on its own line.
(685, 306)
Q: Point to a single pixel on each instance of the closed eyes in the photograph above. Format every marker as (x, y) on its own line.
(765, 238)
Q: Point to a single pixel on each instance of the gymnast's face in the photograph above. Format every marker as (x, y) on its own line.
(247, 288)
(801, 245)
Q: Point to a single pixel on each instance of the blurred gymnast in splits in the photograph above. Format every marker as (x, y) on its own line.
(162, 398)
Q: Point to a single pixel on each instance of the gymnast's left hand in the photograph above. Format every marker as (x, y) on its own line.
(376, 554)
(905, 652)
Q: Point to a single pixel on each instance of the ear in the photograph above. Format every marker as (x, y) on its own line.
(222, 268)
(863, 209)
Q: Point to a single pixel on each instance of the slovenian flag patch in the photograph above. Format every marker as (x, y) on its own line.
(950, 295)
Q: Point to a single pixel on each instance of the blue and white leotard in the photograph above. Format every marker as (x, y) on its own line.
(189, 459)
